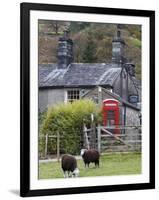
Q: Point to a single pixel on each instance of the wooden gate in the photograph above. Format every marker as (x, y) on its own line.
(131, 140)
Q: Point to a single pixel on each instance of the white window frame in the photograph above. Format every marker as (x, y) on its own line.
(75, 95)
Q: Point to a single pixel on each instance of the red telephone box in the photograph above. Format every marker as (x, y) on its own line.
(111, 114)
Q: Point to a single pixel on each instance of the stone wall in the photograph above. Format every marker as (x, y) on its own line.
(133, 134)
(50, 97)
(132, 117)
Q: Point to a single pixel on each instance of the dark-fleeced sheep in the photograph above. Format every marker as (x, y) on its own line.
(69, 166)
(90, 156)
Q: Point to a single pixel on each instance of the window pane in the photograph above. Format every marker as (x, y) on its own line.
(72, 95)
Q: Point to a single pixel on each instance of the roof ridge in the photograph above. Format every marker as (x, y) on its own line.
(107, 73)
(102, 77)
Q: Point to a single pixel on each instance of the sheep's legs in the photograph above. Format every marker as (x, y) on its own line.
(72, 175)
(86, 164)
(69, 174)
(97, 164)
(65, 174)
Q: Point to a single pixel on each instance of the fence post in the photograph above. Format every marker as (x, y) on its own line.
(46, 144)
(99, 138)
(86, 137)
(58, 146)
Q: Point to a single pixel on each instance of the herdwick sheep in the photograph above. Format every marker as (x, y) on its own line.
(89, 156)
(69, 166)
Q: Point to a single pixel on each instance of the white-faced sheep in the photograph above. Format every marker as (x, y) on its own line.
(69, 166)
(90, 156)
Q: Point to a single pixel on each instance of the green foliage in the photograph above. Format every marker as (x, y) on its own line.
(75, 27)
(41, 143)
(92, 41)
(138, 72)
(68, 119)
(88, 54)
(134, 31)
(41, 117)
(103, 53)
(135, 42)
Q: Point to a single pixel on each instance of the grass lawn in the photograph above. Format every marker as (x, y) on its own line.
(110, 164)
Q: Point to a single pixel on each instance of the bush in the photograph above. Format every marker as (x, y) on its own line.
(68, 119)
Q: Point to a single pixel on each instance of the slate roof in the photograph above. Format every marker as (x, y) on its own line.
(115, 96)
(136, 82)
(77, 75)
(121, 100)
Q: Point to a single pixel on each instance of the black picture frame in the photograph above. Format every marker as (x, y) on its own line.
(25, 9)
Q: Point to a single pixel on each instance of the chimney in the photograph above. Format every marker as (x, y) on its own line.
(118, 49)
(130, 69)
(65, 51)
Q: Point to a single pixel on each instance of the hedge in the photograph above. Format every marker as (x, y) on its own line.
(68, 119)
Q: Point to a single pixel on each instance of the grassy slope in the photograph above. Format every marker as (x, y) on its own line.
(112, 164)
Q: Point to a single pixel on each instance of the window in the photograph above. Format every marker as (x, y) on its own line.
(73, 95)
(134, 98)
(110, 117)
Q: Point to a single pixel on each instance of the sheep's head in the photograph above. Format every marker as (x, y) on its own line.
(82, 151)
(75, 173)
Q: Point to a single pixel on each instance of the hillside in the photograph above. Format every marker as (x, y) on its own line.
(92, 41)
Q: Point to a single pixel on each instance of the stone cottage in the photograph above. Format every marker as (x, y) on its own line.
(66, 81)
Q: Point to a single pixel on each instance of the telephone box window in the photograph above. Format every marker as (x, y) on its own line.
(111, 114)
(110, 117)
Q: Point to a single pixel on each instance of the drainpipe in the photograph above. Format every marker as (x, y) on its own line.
(124, 118)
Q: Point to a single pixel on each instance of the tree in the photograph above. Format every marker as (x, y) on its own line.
(89, 52)
(76, 27)
(58, 26)
(53, 26)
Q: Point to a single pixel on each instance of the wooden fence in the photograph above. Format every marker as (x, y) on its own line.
(46, 139)
(51, 146)
(103, 140)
